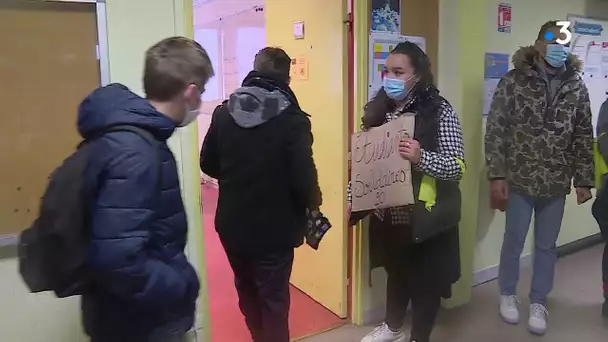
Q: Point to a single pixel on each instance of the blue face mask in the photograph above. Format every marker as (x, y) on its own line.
(556, 55)
(395, 89)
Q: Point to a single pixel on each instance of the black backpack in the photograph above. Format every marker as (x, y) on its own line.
(53, 252)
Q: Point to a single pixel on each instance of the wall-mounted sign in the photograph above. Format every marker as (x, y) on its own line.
(504, 17)
(299, 69)
(298, 30)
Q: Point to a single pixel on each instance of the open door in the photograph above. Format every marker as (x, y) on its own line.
(321, 87)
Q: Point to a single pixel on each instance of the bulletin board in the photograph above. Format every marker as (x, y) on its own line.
(380, 46)
(590, 44)
(48, 64)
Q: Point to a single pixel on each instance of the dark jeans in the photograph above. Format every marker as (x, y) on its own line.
(262, 283)
(403, 288)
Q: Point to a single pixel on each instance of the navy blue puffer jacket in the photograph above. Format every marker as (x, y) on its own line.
(142, 279)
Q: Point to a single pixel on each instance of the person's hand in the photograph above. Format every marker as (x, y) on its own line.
(410, 150)
(500, 194)
(583, 195)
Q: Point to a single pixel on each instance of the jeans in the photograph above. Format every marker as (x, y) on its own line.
(548, 214)
(262, 283)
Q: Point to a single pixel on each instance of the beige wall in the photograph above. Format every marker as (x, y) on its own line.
(133, 25)
(34, 318)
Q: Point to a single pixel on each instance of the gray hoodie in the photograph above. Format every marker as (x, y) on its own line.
(253, 106)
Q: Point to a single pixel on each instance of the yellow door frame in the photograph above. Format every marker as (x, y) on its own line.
(191, 187)
(361, 15)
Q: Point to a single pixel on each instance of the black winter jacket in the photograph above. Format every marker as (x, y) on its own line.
(259, 147)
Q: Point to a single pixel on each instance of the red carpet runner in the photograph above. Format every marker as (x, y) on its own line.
(307, 317)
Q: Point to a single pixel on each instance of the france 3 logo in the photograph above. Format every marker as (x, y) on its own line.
(565, 35)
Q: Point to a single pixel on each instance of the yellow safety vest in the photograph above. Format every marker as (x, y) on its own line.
(428, 188)
(601, 168)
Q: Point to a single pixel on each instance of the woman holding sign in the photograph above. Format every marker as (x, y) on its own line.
(417, 244)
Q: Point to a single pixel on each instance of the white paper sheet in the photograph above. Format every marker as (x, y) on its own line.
(489, 87)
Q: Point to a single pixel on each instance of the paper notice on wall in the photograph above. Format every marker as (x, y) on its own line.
(381, 178)
(496, 66)
(590, 44)
(489, 87)
(299, 69)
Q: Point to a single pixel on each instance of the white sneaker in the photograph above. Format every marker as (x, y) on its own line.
(537, 324)
(382, 333)
(509, 309)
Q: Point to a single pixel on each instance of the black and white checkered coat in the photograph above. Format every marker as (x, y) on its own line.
(441, 164)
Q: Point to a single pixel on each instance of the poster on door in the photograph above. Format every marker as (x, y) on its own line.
(380, 46)
(590, 44)
(504, 17)
(386, 16)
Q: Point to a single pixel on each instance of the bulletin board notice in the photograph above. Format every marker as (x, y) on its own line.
(495, 67)
(590, 44)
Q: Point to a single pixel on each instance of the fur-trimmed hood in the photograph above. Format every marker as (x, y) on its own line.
(524, 59)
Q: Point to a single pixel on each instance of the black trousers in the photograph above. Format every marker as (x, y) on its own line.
(262, 283)
(403, 288)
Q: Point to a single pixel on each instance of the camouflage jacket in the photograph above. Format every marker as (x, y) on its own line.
(536, 141)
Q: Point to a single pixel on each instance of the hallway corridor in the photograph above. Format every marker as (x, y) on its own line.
(575, 306)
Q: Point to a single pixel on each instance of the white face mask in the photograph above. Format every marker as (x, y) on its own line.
(191, 115)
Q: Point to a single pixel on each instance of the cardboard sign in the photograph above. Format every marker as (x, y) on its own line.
(380, 177)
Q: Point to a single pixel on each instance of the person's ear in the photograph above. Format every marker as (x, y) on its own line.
(191, 90)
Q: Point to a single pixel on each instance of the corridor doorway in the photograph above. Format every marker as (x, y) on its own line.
(232, 32)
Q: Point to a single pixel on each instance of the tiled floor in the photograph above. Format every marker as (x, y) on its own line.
(575, 306)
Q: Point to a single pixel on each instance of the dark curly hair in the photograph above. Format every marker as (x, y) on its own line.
(427, 102)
